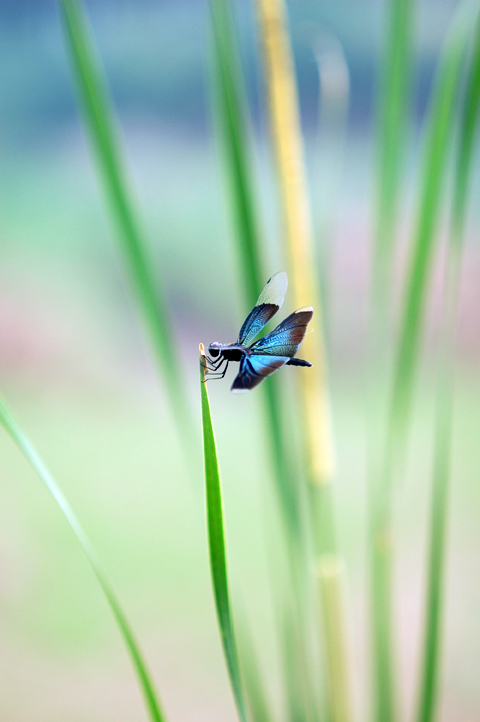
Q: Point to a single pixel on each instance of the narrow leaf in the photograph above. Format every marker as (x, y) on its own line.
(233, 123)
(101, 125)
(146, 684)
(393, 100)
(444, 415)
(439, 135)
(231, 106)
(216, 541)
(259, 705)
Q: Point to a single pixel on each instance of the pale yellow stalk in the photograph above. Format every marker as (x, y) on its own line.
(314, 396)
(330, 577)
(285, 123)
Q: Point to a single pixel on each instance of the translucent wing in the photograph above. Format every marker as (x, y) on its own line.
(269, 301)
(254, 369)
(287, 337)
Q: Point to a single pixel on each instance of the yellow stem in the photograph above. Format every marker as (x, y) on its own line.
(285, 122)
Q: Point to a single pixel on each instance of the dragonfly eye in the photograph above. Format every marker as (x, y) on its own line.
(214, 349)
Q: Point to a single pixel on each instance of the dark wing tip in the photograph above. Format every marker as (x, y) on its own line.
(306, 309)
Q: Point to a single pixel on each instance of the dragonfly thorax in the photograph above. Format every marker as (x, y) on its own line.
(229, 352)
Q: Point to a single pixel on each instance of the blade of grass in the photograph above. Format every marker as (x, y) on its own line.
(102, 128)
(333, 106)
(231, 110)
(438, 137)
(313, 398)
(298, 236)
(393, 101)
(29, 452)
(231, 114)
(428, 692)
(216, 542)
(330, 579)
(258, 703)
(393, 104)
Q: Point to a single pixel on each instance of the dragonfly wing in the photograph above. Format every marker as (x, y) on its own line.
(254, 369)
(269, 301)
(287, 337)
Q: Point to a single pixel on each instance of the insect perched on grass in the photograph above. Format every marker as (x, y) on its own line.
(268, 354)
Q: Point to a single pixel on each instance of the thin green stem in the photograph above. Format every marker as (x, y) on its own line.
(102, 128)
(216, 544)
(29, 452)
(438, 141)
(428, 692)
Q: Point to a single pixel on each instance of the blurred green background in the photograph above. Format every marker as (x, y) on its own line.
(77, 373)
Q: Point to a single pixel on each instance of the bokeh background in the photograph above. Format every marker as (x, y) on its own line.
(76, 368)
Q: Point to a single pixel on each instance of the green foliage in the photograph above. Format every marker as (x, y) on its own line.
(429, 673)
(258, 703)
(230, 106)
(228, 88)
(438, 142)
(216, 543)
(308, 686)
(29, 452)
(393, 98)
(102, 128)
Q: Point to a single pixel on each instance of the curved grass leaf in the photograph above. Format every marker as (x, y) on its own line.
(233, 125)
(298, 235)
(231, 107)
(146, 684)
(438, 143)
(330, 580)
(332, 128)
(393, 105)
(393, 98)
(444, 415)
(256, 693)
(100, 122)
(313, 397)
(216, 542)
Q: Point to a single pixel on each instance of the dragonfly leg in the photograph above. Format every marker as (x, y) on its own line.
(215, 363)
(218, 375)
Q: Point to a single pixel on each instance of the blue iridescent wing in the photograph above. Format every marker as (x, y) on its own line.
(269, 301)
(287, 337)
(254, 369)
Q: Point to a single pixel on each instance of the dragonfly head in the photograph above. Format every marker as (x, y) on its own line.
(214, 349)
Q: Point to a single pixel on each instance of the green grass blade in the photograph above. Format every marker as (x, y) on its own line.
(100, 122)
(259, 705)
(216, 540)
(232, 122)
(393, 104)
(467, 137)
(439, 137)
(438, 143)
(393, 112)
(330, 577)
(444, 415)
(146, 684)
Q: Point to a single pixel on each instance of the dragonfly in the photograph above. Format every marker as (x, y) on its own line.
(269, 353)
